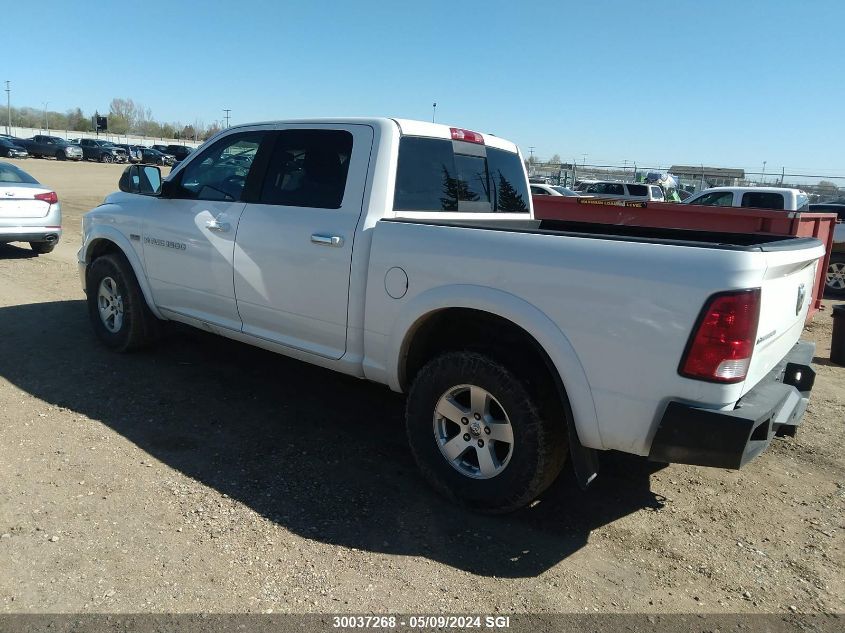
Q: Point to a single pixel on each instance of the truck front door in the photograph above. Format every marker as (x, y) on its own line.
(189, 235)
(294, 245)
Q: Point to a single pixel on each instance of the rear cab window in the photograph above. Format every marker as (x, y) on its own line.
(763, 200)
(638, 190)
(437, 175)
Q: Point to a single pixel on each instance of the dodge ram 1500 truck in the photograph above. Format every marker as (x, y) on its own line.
(406, 253)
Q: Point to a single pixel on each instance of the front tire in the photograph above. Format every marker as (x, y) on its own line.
(106, 158)
(834, 284)
(116, 306)
(42, 248)
(479, 436)
(61, 156)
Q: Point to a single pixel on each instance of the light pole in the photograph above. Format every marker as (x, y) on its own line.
(433, 111)
(46, 120)
(8, 109)
(227, 111)
(763, 178)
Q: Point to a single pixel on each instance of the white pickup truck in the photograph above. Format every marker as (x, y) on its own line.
(406, 253)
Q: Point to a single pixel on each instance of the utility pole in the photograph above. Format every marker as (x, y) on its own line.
(8, 109)
(584, 162)
(763, 177)
(433, 111)
(46, 120)
(227, 111)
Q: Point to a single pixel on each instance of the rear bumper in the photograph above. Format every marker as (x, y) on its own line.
(29, 234)
(729, 439)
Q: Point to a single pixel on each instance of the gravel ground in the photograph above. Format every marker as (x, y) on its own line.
(209, 476)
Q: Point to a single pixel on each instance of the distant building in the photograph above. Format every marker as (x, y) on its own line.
(712, 176)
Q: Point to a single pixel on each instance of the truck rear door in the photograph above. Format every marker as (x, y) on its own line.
(294, 245)
(786, 295)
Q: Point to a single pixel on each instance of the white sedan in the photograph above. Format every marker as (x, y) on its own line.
(539, 189)
(29, 211)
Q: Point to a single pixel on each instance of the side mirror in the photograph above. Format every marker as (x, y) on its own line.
(141, 179)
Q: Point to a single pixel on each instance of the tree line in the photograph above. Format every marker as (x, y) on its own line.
(125, 116)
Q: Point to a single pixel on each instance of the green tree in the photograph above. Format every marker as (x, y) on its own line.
(827, 187)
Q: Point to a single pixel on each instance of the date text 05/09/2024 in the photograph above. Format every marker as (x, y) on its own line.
(421, 622)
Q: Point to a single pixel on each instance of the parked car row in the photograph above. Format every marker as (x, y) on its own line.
(101, 150)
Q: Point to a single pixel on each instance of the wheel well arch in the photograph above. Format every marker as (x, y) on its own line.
(477, 330)
(111, 242)
(99, 247)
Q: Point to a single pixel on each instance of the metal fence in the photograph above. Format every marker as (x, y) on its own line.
(130, 139)
(822, 188)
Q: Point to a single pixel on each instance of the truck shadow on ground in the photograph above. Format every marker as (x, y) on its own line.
(322, 454)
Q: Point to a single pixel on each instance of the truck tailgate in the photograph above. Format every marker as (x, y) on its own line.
(786, 295)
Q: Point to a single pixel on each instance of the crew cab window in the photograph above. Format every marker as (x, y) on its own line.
(716, 199)
(762, 200)
(220, 172)
(638, 190)
(308, 168)
(432, 175)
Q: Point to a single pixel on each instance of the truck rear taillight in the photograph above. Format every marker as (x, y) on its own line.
(49, 198)
(465, 135)
(721, 345)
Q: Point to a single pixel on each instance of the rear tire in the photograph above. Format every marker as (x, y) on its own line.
(42, 248)
(834, 284)
(116, 307)
(522, 458)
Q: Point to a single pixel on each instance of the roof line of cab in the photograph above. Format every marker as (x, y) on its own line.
(408, 127)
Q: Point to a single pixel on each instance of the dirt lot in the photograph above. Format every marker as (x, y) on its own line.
(209, 476)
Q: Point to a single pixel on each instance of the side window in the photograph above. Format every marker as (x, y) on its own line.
(308, 168)
(220, 172)
(762, 200)
(536, 191)
(597, 187)
(716, 199)
(637, 190)
(615, 189)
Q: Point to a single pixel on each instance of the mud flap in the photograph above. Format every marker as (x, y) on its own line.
(585, 461)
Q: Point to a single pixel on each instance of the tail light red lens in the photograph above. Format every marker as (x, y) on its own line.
(721, 346)
(465, 135)
(49, 198)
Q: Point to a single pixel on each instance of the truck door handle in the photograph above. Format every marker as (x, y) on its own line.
(327, 240)
(216, 225)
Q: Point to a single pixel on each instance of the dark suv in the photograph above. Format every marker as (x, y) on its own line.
(102, 151)
(180, 152)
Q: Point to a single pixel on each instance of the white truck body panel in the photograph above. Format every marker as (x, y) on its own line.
(613, 315)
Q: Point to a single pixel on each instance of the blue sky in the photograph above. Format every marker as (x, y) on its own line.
(718, 82)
